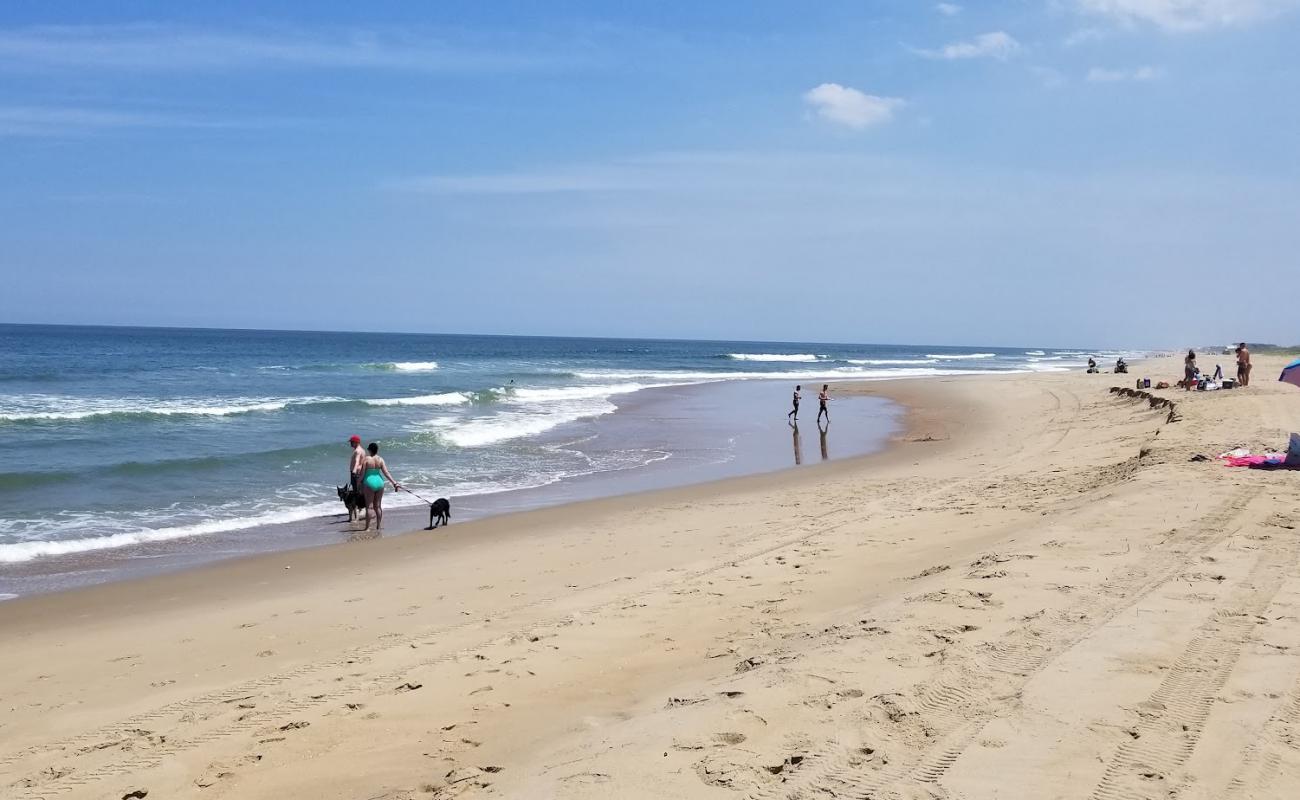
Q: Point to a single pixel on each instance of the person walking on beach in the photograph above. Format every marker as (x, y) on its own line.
(1243, 365)
(824, 397)
(794, 412)
(372, 483)
(1189, 371)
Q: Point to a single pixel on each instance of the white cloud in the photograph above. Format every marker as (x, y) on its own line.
(166, 47)
(846, 106)
(998, 44)
(1187, 15)
(1103, 75)
(1084, 36)
(1049, 77)
(948, 9)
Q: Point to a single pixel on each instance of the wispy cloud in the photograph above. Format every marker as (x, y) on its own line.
(63, 121)
(152, 47)
(999, 45)
(948, 9)
(1049, 77)
(1187, 15)
(1104, 75)
(1084, 36)
(565, 180)
(844, 105)
(672, 172)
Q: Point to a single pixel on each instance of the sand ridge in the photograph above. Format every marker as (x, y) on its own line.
(1036, 594)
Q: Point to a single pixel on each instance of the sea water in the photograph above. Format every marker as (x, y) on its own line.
(118, 439)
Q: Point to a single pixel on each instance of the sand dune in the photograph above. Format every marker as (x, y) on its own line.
(1035, 594)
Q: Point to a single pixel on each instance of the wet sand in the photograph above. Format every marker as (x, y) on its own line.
(1034, 593)
(692, 434)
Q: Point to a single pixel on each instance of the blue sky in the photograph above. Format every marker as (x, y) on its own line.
(1091, 172)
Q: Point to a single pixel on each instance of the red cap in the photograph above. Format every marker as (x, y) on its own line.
(355, 440)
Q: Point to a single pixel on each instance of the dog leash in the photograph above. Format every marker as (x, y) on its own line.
(430, 502)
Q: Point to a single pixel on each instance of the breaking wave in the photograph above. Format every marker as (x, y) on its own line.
(779, 357)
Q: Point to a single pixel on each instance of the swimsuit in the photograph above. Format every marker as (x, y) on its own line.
(374, 480)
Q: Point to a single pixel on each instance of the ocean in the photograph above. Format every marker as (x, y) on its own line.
(141, 441)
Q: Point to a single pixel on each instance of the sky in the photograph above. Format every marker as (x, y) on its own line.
(1107, 173)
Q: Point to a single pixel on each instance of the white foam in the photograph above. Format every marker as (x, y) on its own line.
(679, 377)
(445, 399)
(562, 393)
(44, 407)
(960, 356)
(887, 361)
(414, 366)
(796, 357)
(26, 551)
(1035, 353)
(7, 596)
(529, 412)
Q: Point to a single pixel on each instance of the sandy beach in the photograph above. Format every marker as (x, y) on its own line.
(1033, 593)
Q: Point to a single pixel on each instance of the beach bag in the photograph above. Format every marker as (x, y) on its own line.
(1146, 383)
(1293, 449)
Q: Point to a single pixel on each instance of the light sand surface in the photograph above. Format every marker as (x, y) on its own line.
(1034, 595)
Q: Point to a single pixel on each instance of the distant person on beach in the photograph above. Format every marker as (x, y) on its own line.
(372, 483)
(794, 412)
(1243, 365)
(824, 397)
(1189, 371)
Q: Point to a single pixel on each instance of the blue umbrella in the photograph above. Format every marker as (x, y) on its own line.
(1291, 373)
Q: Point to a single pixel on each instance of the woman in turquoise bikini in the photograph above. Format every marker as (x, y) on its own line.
(373, 473)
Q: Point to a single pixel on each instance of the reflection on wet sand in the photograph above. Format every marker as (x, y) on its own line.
(798, 444)
(826, 453)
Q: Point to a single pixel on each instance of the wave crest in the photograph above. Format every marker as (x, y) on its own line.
(444, 399)
(780, 357)
(71, 409)
(405, 366)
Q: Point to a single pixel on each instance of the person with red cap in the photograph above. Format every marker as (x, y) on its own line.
(354, 466)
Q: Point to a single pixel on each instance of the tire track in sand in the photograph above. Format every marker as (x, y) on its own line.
(1174, 716)
(960, 701)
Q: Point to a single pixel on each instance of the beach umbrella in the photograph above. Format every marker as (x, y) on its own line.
(1291, 373)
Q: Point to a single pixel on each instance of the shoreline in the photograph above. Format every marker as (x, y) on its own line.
(908, 394)
(1006, 589)
(869, 430)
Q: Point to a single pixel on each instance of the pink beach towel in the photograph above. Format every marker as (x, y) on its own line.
(1266, 461)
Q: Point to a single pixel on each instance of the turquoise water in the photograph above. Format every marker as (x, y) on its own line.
(120, 437)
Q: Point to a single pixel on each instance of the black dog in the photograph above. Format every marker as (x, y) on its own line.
(439, 509)
(354, 501)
